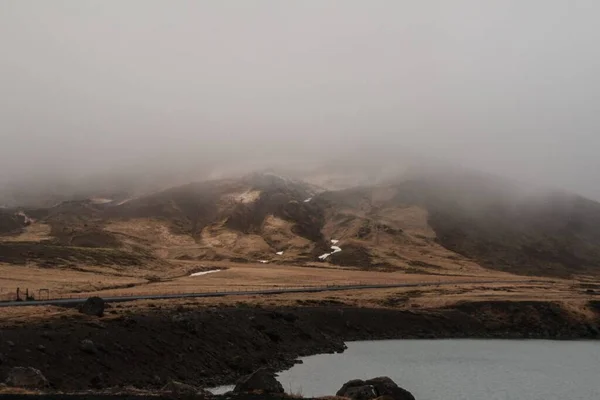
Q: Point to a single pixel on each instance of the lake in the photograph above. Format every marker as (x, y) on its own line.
(459, 369)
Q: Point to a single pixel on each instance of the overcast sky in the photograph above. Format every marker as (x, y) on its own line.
(511, 87)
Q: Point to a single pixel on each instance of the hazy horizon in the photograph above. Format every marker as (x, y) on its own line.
(149, 87)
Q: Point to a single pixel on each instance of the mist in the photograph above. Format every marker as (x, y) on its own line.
(187, 89)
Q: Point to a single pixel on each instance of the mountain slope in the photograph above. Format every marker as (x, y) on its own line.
(443, 223)
(497, 223)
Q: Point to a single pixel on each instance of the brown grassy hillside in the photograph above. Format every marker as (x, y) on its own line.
(496, 223)
(434, 224)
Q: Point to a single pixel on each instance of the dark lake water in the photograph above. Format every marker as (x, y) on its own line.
(459, 369)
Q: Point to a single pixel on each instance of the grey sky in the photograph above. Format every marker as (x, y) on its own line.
(510, 87)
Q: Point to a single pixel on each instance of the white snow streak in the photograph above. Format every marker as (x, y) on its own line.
(205, 272)
(100, 200)
(335, 249)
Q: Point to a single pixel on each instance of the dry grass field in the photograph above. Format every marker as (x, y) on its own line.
(571, 295)
(60, 282)
(105, 281)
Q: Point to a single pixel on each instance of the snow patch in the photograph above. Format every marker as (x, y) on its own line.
(335, 241)
(308, 200)
(26, 219)
(335, 249)
(221, 389)
(279, 253)
(100, 200)
(205, 272)
(124, 201)
(263, 261)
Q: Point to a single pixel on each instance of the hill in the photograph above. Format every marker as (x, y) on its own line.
(498, 224)
(442, 223)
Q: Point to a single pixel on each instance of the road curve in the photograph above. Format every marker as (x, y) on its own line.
(316, 289)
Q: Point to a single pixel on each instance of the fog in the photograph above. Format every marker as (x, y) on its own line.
(115, 88)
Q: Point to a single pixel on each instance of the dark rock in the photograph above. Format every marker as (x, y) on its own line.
(41, 348)
(93, 306)
(289, 317)
(2, 359)
(384, 386)
(26, 377)
(98, 381)
(262, 380)
(365, 392)
(179, 390)
(10, 343)
(88, 346)
(352, 383)
(356, 389)
(96, 324)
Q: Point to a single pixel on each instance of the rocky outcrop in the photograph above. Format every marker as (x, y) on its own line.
(93, 306)
(384, 386)
(356, 389)
(381, 387)
(26, 377)
(262, 381)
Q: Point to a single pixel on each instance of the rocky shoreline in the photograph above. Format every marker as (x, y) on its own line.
(214, 346)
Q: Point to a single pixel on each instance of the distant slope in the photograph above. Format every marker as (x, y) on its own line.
(435, 223)
(509, 229)
(496, 223)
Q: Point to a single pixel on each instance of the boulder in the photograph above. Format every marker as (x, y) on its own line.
(26, 377)
(93, 306)
(382, 388)
(262, 380)
(364, 392)
(88, 346)
(356, 389)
